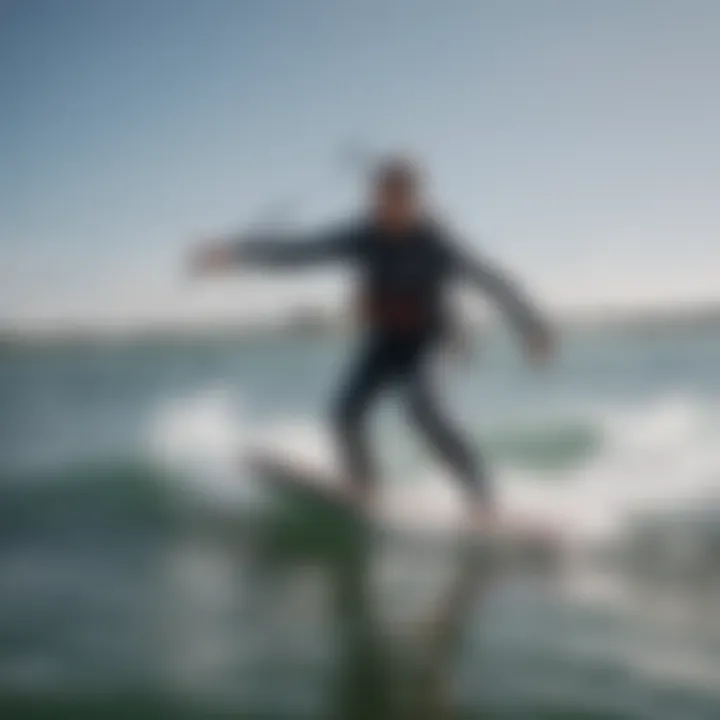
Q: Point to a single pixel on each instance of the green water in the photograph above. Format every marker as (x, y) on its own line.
(144, 575)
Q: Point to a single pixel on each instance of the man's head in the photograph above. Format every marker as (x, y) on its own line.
(397, 193)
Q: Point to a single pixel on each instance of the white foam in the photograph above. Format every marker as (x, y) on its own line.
(657, 455)
(199, 437)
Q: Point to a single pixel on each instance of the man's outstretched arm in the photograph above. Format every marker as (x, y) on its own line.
(260, 250)
(511, 299)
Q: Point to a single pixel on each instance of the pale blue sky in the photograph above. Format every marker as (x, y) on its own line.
(575, 140)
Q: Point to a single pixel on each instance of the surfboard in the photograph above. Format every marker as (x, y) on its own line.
(401, 513)
(303, 481)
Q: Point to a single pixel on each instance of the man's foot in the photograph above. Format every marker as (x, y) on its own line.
(483, 518)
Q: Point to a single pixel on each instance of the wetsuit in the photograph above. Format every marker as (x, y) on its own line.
(405, 281)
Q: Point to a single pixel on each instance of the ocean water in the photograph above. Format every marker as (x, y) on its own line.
(144, 573)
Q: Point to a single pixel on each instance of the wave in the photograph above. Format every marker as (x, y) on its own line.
(601, 472)
(111, 494)
(553, 445)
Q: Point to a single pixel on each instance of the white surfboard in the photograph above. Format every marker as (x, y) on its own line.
(401, 510)
(302, 480)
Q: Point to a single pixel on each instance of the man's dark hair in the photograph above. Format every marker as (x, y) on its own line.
(398, 173)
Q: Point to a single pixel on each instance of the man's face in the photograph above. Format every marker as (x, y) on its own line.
(396, 204)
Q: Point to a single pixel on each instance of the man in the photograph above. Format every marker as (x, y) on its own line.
(407, 263)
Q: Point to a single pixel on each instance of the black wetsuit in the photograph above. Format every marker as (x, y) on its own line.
(405, 281)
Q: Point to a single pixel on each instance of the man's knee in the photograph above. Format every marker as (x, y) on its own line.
(421, 408)
(346, 415)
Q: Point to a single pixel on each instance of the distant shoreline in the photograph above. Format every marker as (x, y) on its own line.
(690, 317)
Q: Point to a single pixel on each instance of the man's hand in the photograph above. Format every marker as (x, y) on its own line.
(540, 345)
(212, 257)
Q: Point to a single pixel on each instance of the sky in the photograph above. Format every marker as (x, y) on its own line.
(574, 142)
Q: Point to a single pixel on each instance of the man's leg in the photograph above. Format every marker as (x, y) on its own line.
(373, 367)
(444, 439)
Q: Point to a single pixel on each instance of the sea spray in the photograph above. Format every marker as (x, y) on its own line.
(199, 438)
